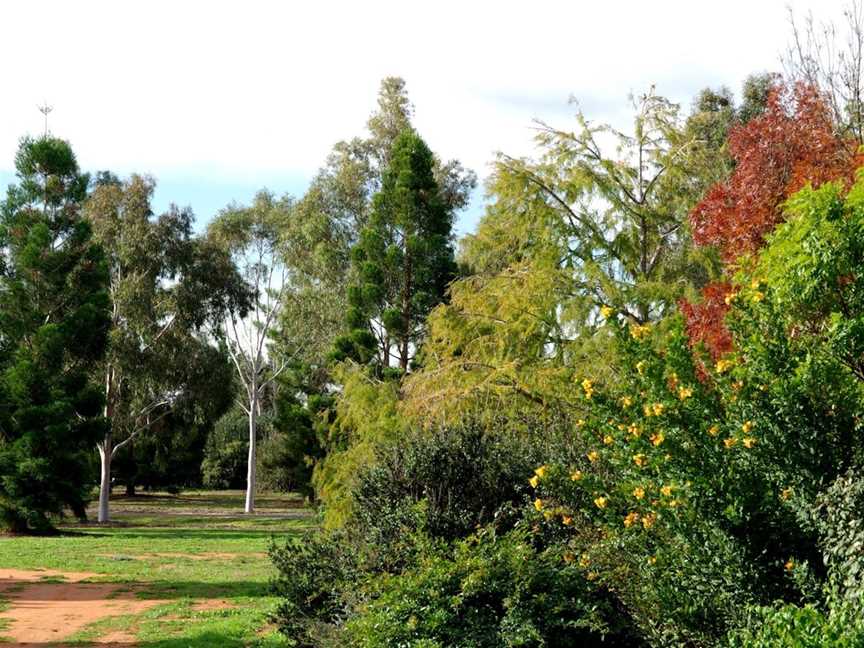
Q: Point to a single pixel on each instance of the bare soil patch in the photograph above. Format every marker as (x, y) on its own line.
(43, 611)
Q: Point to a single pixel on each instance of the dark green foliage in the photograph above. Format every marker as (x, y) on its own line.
(170, 455)
(463, 476)
(53, 327)
(227, 450)
(402, 262)
(489, 591)
(316, 573)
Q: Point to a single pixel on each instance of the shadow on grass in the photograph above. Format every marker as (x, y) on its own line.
(28, 591)
(205, 639)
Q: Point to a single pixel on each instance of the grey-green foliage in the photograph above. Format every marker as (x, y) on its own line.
(840, 515)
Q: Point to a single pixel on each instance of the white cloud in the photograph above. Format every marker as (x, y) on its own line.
(237, 91)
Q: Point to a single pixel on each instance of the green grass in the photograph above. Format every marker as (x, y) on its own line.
(178, 549)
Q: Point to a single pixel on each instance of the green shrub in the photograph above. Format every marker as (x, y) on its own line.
(489, 591)
(790, 626)
(316, 574)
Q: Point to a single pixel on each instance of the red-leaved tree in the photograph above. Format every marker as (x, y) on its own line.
(792, 143)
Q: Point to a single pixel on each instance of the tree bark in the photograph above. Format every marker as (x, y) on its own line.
(105, 451)
(250, 475)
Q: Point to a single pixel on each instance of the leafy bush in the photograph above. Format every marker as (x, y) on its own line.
(315, 575)
(790, 626)
(489, 591)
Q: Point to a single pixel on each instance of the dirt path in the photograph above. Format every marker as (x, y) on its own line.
(43, 610)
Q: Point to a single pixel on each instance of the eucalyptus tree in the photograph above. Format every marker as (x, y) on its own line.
(53, 327)
(167, 287)
(252, 236)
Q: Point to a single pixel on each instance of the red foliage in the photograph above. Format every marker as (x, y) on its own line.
(705, 320)
(792, 143)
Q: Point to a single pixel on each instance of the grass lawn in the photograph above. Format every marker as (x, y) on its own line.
(194, 564)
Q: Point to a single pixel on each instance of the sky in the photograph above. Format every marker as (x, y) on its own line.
(217, 100)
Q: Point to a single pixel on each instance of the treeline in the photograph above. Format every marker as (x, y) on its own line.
(627, 412)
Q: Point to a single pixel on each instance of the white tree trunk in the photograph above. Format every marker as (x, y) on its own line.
(105, 452)
(250, 475)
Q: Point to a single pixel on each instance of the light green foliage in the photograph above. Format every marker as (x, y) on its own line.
(568, 234)
(367, 418)
(791, 626)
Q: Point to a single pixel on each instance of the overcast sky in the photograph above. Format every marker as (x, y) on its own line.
(219, 99)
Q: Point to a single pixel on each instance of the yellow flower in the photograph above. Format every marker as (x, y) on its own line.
(652, 560)
(731, 441)
(714, 430)
(588, 388)
(569, 557)
(593, 456)
(730, 297)
(534, 481)
(640, 367)
(591, 576)
(638, 492)
(755, 283)
(746, 426)
(606, 311)
(786, 493)
(626, 401)
(673, 380)
(758, 296)
(640, 460)
(566, 520)
(658, 438)
(541, 471)
(673, 503)
(576, 475)
(638, 331)
(580, 422)
(658, 408)
(538, 504)
(631, 519)
(685, 392)
(646, 409)
(748, 442)
(600, 502)
(608, 440)
(548, 515)
(584, 560)
(634, 430)
(648, 520)
(723, 366)
(666, 490)
(790, 565)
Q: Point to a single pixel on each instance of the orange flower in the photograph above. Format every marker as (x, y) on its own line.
(731, 441)
(658, 438)
(640, 460)
(631, 519)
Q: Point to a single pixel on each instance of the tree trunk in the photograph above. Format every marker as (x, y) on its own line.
(105, 451)
(250, 475)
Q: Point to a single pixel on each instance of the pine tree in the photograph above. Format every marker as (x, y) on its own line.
(53, 326)
(402, 262)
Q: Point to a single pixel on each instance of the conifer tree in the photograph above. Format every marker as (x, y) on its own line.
(402, 262)
(53, 327)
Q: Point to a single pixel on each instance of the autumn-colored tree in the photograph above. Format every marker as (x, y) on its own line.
(792, 143)
(778, 152)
